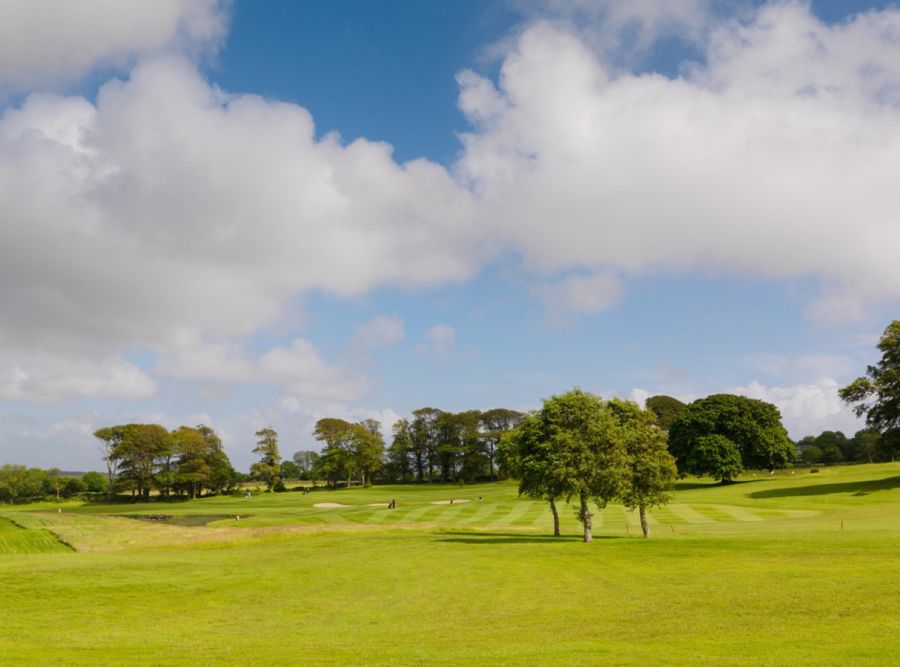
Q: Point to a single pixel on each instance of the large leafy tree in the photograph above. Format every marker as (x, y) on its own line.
(138, 453)
(722, 434)
(651, 468)
(268, 468)
(575, 447)
(877, 394)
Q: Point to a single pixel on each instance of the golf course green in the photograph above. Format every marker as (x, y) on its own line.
(797, 568)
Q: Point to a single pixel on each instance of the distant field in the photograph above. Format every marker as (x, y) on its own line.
(759, 572)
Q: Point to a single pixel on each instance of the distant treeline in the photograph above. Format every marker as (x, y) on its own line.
(19, 483)
(866, 446)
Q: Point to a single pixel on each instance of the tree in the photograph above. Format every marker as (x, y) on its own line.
(722, 434)
(424, 433)
(289, 470)
(335, 463)
(56, 482)
(399, 454)
(95, 482)
(651, 467)
(192, 449)
(877, 394)
(811, 454)
(495, 423)
(268, 467)
(531, 459)
(110, 437)
(222, 476)
(306, 463)
(575, 447)
(138, 452)
(666, 409)
(367, 449)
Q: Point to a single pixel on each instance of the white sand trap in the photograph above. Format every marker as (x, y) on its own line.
(329, 506)
(378, 504)
(449, 502)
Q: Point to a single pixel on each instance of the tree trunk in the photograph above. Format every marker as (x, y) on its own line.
(644, 525)
(555, 517)
(586, 517)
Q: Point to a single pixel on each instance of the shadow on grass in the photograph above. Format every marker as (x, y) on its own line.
(863, 488)
(461, 537)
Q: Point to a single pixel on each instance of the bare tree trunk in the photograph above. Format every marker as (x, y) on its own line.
(644, 525)
(586, 517)
(555, 517)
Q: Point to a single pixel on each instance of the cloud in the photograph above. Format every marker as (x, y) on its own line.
(297, 370)
(439, 339)
(804, 365)
(381, 331)
(45, 42)
(624, 31)
(42, 378)
(806, 409)
(578, 295)
(171, 209)
(773, 158)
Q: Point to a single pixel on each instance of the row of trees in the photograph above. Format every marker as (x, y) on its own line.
(865, 446)
(186, 461)
(20, 483)
(435, 445)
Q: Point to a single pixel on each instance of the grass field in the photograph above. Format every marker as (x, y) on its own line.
(795, 569)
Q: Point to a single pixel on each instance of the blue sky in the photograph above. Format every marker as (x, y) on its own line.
(251, 214)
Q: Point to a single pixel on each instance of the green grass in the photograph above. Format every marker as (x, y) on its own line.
(759, 572)
(16, 539)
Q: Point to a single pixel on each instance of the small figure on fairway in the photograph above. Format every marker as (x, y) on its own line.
(392, 504)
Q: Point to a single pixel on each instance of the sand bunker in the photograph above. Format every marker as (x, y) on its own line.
(329, 506)
(449, 502)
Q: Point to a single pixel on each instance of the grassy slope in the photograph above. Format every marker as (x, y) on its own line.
(753, 573)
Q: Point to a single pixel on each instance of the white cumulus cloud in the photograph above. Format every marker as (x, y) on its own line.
(47, 42)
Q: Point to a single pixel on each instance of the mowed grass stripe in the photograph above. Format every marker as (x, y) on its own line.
(17, 540)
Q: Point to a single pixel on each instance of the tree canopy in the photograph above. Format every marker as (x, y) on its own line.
(573, 447)
(666, 409)
(651, 468)
(877, 394)
(722, 434)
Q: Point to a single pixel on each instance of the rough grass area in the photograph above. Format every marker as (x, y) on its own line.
(755, 573)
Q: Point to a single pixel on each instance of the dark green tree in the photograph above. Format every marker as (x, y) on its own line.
(494, 424)
(722, 434)
(666, 409)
